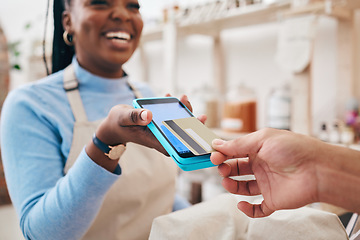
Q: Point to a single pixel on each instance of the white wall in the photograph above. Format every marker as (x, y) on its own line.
(326, 106)
(249, 52)
(250, 60)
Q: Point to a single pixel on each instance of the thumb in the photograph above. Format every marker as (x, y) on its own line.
(222, 151)
(238, 148)
(127, 116)
(231, 149)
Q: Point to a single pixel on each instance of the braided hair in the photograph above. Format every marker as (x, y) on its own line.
(61, 53)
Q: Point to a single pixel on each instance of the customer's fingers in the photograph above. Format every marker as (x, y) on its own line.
(235, 167)
(254, 210)
(217, 158)
(240, 147)
(247, 188)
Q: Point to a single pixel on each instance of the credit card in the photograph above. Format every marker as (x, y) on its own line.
(192, 133)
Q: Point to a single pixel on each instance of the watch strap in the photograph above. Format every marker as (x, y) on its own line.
(101, 145)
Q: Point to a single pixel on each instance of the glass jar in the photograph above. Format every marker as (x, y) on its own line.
(279, 108)
(239, 112)
(204, 101)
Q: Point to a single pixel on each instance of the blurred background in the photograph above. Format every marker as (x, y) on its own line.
(247, 64)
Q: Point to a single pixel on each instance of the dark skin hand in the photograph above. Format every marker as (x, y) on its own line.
(126, 124)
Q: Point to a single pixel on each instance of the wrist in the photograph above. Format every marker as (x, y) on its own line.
(338, 176)
(99, 157)
(108, 135)
(113, 152)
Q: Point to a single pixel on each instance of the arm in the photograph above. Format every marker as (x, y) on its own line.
(291, 170)
(126, 124)
(47, 202)
(339, 177)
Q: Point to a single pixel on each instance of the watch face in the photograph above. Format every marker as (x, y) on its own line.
(116, 152)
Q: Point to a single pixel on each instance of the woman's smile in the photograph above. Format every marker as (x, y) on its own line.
(106, 33)
(120, 40)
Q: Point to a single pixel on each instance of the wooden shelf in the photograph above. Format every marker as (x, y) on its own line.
(247, 16)
(243, 16)
(322, 8)
(212, 25)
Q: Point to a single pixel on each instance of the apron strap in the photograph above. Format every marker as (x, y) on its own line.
(136, 92)
(71, 86)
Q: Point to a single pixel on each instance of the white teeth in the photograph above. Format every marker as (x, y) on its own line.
(119, 35)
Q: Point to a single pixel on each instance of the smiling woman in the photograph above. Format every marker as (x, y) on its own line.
(75, 119)
(93, 25)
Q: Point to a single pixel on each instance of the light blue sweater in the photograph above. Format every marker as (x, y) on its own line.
(36, 135)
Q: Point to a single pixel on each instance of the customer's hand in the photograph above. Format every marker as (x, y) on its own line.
(282, 163)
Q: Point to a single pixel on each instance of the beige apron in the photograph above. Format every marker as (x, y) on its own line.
(145, 189)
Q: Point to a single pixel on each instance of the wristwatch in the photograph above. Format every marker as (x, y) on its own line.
(112, 152)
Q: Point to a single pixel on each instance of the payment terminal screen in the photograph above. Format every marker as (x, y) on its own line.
(169, 111)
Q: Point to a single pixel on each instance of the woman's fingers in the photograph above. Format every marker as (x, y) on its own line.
(202, 118)
(128, 116)
(185, 100)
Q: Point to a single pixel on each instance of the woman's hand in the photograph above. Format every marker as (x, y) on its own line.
(122, 125)
(184, 99)
(126, 124)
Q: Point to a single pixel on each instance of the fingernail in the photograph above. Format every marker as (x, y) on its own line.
(143, 115)
(217, 142)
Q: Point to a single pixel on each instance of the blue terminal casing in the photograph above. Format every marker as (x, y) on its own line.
(188, 163)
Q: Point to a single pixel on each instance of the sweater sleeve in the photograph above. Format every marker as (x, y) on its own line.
(47, 202)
